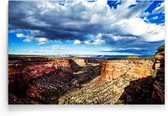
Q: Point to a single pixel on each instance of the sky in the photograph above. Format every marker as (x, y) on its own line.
(86, 27)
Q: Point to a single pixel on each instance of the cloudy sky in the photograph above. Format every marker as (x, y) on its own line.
(94, 27)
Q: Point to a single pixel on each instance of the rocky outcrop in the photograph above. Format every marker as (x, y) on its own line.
(80, 62)
(29, 70)
(159, 79)
(136, 68)
(36, 80)
(148, 90)
(138, 91)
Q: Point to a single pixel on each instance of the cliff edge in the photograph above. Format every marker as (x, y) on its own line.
(159, 79)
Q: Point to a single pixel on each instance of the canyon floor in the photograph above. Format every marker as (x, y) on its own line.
(57, 80)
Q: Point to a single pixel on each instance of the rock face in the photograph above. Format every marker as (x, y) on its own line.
(80, 81)
(108, 88)
(80, 62)
(147, 90)
(135, 68)
(138, 91)
(29, 70)
(159, 80)
(38, 80)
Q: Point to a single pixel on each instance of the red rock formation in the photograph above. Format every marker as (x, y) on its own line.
(29, 70)
(37, 78)
(14, 70)
(136, 68)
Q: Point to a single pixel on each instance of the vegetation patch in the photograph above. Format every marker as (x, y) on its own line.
(154, 73)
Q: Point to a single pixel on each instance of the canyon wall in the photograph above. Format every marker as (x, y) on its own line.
(78, 81)
(115, 76)
(39, 81)
(148, 90)
(135, 68)
(29, 70)
(159, 79)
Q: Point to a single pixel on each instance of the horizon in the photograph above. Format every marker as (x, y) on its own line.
(84, 56)
(128, 28)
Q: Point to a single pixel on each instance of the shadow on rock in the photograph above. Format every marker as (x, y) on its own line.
(138, 91)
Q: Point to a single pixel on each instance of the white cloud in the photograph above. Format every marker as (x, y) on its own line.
(79, 19)
(41, 40)
(27, 40)
(98, 42)
(30, 38)
(133, 48)
(146, 31)
(25, 37)
(94, 42)
(159, 9)
(20, 35)
(77, 42)
(155, 18)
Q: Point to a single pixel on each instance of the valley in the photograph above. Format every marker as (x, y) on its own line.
(81, 80)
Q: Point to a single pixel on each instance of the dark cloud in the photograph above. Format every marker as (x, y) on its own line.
(78, 20)
(140, 48)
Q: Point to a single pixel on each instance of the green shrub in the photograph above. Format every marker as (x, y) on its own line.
(154, 73)
(120, 101)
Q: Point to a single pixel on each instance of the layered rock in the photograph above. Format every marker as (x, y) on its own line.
(36, 80)
(135, 68)
(80, 62)
(29, 70)
(148, 90)
(159, 79)
(108, 88)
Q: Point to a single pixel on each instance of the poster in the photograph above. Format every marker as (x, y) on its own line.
(86, 52)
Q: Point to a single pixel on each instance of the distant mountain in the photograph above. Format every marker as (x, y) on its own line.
(121, 56)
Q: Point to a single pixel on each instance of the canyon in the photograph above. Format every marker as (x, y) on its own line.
(40, 80)
(55, 80)
(109, 86)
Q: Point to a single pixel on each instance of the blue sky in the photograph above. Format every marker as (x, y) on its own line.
(86, 28)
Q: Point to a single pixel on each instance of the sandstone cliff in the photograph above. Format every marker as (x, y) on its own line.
(125, 82)
(79, 81)
(135, 68)
(149, 90)
(39, 81)
(107, 89)
(30, 69)
(80, 62)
